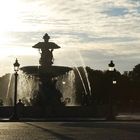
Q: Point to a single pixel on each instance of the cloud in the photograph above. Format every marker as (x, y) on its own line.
(100, 30)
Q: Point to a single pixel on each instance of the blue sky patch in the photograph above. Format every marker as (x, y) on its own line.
(116, 11)
(138, 9)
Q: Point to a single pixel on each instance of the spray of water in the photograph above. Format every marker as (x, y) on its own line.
(81, 78)
(66, 85)
(8, 89)
(85, 71)
(87, 91)
(86, 74)
(28, 85)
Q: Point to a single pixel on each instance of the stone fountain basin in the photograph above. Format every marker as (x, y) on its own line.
(52, 71)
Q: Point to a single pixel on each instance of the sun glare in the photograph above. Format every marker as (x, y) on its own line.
(22, 51)
(10, 21)
(8, 14)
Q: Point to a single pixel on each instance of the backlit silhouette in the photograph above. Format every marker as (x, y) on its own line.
(46, 50)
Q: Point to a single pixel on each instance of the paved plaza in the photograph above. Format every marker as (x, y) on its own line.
(69, 130)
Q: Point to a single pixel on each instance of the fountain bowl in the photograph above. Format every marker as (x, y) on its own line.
(52, 71)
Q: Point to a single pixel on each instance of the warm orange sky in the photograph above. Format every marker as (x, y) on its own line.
(89, 32)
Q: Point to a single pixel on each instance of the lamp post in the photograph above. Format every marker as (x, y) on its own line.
(16, 69)
(111, 66)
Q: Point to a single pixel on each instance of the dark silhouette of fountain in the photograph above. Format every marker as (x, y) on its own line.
(51, 91)
(48, 95)
(46, 50)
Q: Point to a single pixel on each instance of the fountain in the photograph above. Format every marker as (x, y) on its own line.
(47, 75)
(47, 84)
(53, 89)
(48, 89)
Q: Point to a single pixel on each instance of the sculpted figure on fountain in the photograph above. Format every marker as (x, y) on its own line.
(46, 49)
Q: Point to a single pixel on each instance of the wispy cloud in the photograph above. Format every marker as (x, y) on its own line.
(101, 30)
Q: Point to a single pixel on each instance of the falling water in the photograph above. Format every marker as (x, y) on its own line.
(85, 71)
(28, 85)
(81, 78)
(86, 74)
(8, 89)
(87, 89)
(66, 85)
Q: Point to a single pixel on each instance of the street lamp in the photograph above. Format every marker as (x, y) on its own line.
(16, 69)
(111, 66)
(16, 66)
(113, 82)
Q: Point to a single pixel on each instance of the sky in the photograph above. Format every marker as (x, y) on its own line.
(90, 32)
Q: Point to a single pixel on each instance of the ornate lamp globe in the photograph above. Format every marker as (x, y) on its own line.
(16, 66)
(111, 66)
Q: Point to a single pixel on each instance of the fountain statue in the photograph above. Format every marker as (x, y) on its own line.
(46, 50)
(48, 94)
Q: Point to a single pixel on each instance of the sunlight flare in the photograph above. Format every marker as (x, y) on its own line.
(9, 14)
